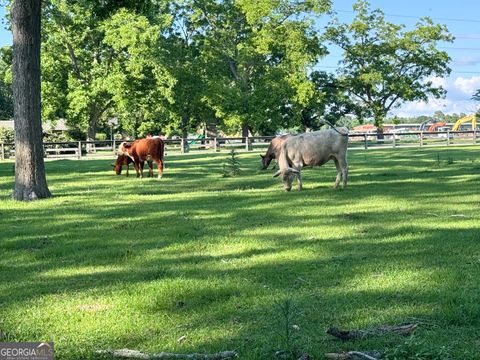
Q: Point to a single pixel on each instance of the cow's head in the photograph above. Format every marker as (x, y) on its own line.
(265, 161)
(117, 167)
(121, 160)
(288, 175)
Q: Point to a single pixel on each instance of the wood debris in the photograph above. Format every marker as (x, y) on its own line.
(134, 354)
(405, 330)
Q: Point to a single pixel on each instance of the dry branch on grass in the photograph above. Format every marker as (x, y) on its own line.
(354, 355)
(134, 354)
(378, 331)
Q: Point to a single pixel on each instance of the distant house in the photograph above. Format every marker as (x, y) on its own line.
(48, 127)
(365, 128)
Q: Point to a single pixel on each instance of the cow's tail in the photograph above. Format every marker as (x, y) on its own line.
(161, 148)
(283, 157)
(341, 131)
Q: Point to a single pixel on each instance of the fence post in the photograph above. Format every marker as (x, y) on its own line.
(114, 146)
(448, 137)
(2, 151)
(366, 141)
(475, 136)
(182, 145)
(394, 144)
(215, 144)
(79, 150)
(421, 138)
(246, 143)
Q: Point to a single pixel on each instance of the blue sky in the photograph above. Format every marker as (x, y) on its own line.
(462, 18)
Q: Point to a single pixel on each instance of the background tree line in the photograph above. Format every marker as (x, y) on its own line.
(237, 66)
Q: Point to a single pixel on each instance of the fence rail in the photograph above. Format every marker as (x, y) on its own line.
(91, 149)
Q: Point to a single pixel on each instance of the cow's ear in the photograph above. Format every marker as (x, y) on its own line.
(127, 145)
(277, 173)
(262, 156)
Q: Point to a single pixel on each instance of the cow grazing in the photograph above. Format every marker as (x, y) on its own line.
(142, 150)
(125, 160)
(122, 160)
(273, 150)
(313, 149)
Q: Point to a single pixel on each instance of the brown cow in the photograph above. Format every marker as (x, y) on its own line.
(125, 160)
(273, 150)
(143, 150)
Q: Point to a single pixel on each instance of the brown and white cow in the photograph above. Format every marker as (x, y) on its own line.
(313, 149)
(142, 150)
(273, 150)
(125, 160)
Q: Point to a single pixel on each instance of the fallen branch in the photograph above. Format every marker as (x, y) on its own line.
(134, 354)
(354, 355)
(381, 330)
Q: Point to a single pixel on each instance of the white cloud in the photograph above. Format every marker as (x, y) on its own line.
(439, 82)
(458, 98)
(467, 85)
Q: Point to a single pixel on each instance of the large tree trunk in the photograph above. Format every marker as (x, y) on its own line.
(184, 128)
(30, 181)
(245, 130)
(379, 118)
(91, 133)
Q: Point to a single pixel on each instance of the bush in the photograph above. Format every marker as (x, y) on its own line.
(7, 135)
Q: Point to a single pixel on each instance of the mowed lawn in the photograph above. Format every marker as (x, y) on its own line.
(240, 264)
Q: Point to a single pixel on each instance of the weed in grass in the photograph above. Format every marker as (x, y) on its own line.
(288, 330)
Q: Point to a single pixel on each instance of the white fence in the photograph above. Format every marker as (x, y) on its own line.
(91, 149)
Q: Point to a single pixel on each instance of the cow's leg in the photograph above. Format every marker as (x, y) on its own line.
(299, 179)
(150, 168)
(344, 170)
(298, 167)
(136, 164)
(339, 172)
(160, 168)
(128, 166)
(142, 164)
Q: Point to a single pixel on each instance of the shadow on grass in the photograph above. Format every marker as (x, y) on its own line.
(218, 255)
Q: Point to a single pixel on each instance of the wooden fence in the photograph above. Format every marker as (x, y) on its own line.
(91, 149)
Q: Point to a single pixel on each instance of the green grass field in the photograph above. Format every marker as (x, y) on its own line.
(234, 263)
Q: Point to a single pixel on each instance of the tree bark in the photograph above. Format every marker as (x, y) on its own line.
(245, 130)
(379, 124)
(184, 128)
(30, 180)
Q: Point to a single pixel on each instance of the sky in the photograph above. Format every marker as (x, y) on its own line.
(462, 18)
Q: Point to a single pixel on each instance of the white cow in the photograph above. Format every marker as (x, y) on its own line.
(313, 149)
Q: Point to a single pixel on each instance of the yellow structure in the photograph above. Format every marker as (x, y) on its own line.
(465, 119)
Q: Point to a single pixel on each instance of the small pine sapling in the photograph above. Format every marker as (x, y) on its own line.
(231, 167)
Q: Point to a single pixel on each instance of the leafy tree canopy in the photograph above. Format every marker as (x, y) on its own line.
(384, 64)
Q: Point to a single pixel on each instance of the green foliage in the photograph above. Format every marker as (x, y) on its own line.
(7, 135)
(231, 167)
(58, 137)
(6, 95)
(257, 56)
(96, 67)
(384, 65)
